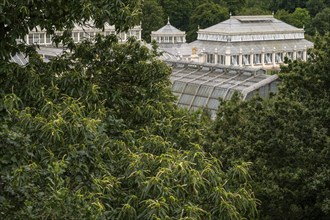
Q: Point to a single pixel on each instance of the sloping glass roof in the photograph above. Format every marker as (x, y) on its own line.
(168, 29)
(251, 24)
(202, 85)
(20, 59)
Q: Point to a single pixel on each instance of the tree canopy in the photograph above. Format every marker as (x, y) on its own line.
(286, 138)
(153, 18)
(95, 133)
(18, 17)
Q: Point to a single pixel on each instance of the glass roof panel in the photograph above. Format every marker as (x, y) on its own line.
(200, 101)
(229, 94)
(213, 104)
(178, 86)
(205, 91)
(191, 89)
(186, 99)
(218, 93)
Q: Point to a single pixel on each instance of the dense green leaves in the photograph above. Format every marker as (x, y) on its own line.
(18, 17)
(286, 138)
(206, 15)
(153, 18)
(95, 134)
(320, 23)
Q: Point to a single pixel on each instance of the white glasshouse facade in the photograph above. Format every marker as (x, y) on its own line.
(48, 50)
(253, 41)
(80, 33)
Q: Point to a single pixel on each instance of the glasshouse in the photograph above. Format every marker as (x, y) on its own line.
(204, 85)
(253, 41)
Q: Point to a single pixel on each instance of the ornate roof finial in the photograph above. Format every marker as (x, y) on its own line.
(168, 20)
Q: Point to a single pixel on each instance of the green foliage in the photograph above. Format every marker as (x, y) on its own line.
(153, 18)
(299, 18)
(315, 6)
(286, 138)
(18, 17)
(206, 15)
(289, 6)
(321, 22)
(254, 11)
(178, 11)
(234, 6)
(95, 134)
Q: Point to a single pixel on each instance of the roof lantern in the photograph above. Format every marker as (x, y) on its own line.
(168, 34)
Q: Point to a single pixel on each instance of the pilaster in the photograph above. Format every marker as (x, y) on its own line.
(227, 56)
(274, 56)
(240, 58)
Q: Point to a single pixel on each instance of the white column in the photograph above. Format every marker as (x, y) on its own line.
(227, 54)
(273, 57)
(240, 58)
(216, 55)
(200, 58)
(263, 56)
(294, 53)
(251, 57)
(305, 53)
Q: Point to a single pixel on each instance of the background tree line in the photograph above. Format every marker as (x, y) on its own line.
(188, 15)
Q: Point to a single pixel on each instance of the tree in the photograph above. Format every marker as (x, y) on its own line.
(289, 6)
(286, 138)
(262, 4)
(254, 11)
(18, 17)
(315, 6)
(283, 15)
(206, 15)
(178, 12)
(95, 134)
(320, 23)
(299, 18)
(234, 6)
(153, 18)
